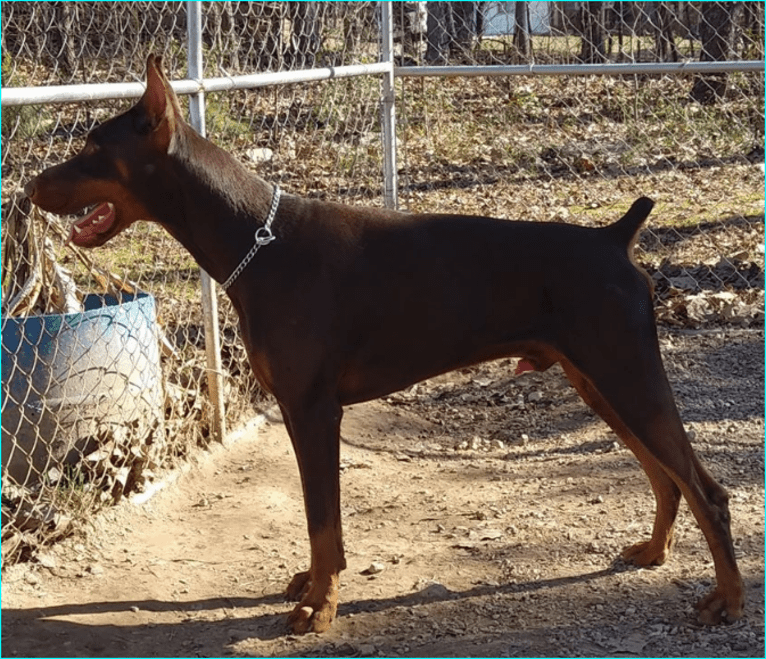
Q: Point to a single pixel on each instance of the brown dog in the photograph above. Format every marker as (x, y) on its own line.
(343, 304)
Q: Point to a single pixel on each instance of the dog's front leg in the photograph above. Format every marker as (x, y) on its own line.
(314, 429)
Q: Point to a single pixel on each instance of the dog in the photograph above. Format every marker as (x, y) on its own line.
(339, 305)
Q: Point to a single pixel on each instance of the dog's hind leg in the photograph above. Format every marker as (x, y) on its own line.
(656, 550)
(314, 428)
(630, 391)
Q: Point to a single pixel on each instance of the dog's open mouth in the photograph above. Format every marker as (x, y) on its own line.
(87, 230)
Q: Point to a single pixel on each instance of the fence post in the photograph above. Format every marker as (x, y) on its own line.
(388, 109)
(209, 300)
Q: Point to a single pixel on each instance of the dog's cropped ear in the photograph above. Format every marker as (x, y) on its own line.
(161, 108)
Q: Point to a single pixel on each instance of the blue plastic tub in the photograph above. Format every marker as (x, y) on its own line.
(68, 381)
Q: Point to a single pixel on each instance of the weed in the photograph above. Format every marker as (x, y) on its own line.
(220, 119)
(19, 121)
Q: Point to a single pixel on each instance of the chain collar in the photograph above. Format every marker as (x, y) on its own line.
(263, 236)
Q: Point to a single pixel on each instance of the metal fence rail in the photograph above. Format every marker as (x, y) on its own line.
(487, 108)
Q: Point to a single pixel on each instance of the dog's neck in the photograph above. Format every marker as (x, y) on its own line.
(218, 203)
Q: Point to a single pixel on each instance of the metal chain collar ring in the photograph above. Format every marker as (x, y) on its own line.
(263, 236)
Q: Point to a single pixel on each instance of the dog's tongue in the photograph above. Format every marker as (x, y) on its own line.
(85, 231)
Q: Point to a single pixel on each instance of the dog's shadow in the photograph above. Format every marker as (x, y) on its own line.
(435, 592)
(192, 630)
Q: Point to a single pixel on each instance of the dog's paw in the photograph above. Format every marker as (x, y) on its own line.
(318, 602)
(298, 586)
(305, 619)
(720, 606)
(646, 553)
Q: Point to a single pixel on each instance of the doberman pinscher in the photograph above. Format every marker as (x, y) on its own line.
(343, 304)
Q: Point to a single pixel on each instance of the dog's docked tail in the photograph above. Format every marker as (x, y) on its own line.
(625, 230)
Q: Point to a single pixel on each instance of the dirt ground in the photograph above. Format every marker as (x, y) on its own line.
(483, 514)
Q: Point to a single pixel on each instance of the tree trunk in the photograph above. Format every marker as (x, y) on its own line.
(666, 45)
(754, 23)
(64, 29)
(521, 40)
(716, 29)
(437, 32)
(593, 43)
(306, 33)
(464, 20)
(451, 29)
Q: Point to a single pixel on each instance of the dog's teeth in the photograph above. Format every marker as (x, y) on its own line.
(76, 228)
(110, 206)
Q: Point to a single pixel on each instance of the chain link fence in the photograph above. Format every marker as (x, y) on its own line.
(104, 372)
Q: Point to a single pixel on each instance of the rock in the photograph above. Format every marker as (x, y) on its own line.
(366, 649)
(375, 568)
(260, 155)
(490, 534)
(432, 591)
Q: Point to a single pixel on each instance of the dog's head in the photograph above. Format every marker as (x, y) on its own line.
(117, 169)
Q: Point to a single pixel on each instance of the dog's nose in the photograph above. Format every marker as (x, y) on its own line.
(30, 188)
